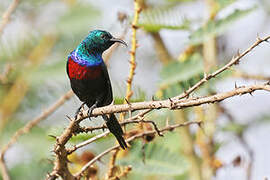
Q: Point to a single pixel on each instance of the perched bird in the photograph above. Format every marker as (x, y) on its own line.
(89, 77)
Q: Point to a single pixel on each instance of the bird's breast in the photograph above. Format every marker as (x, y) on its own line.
(77, 71)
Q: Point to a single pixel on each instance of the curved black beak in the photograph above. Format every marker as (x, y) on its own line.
(118, 40)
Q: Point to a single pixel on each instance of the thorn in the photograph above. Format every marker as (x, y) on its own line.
(127, 101)
(205, 75)
(251, 93)
(200, 124)
(171, 103)
(52, 136)
(238, 53)
(258, 38)
(69, 118)
(153, 98)
(235, 85)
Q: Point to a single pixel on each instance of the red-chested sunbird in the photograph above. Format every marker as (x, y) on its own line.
(89, 77)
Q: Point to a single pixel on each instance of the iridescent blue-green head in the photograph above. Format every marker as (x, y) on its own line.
(99, 41)
(89, 52)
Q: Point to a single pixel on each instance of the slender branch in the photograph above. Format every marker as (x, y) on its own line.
(61, 152)
(25, 129)
(112, 167)
(249, 76)
(174, 103)
(4, 170)
(134, 27)
(7, 14)
(123, 173)
(167, 128)
(233, 61)
(60, 164)
(127, 121)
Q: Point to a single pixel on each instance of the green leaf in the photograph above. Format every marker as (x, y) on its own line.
(155, 19)
(159, 160)
(217, 27)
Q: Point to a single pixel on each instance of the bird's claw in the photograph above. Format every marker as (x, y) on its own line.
(78, 111)
(89, 113)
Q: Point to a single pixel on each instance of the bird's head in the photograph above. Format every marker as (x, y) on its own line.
(99, 40)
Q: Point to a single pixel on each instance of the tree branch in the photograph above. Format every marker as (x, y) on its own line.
(173, 103)
(7, 14)
(25, 129)
(167, 128)
(233, 61)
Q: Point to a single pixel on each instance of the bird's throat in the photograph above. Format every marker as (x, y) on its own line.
(86, 57)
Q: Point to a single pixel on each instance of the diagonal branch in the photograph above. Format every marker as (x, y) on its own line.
(25, 129)
(7, 14)
(233, 61)
(167, 128)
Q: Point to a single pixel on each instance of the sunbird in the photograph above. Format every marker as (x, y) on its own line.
(89, 78)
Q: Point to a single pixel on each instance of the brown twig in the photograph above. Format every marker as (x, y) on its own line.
(60, 164)
(7, 14)
(112, 167)
(61, 152)
(29, 126)
(127, 121)
(134, 45)
(249, 76)
(123, 173)
(174, 103)
(167, 128)
(233, 61)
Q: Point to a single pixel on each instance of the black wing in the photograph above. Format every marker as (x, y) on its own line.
(109, 98)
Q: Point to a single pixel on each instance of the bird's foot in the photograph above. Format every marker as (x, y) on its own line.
(91, 110)
(78, 110)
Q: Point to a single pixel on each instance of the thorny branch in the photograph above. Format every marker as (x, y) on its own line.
(61, 152)
(174, 103)
(60, 163)
(134, 45)
(167, 128)
(235, 60)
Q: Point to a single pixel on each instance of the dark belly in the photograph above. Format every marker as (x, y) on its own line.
(90, 91)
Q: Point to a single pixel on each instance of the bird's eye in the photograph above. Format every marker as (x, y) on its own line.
(102, 36)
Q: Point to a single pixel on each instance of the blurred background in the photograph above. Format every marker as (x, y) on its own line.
(178, 40)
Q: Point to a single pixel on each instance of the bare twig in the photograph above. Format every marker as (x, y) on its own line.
(7, 14)
(249, 76)
(123, 173)
(127, 121)
(168, 128)
(61, 152)
(30, 125)
(174, 103)
(233, 61)
(112, 167)
(137, 10)
(60, 164)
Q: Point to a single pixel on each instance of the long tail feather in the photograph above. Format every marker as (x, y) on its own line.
(115, 128)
